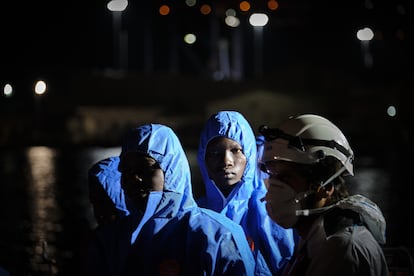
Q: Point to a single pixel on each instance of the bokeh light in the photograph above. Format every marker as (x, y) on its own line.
(164, 10)
(7, 90)
(205, 9)
(365, 34)
(40, 87)
(244, 6)
(258, 19)
(392, 111)
(117, 5)
(272, 5)
(190, 38)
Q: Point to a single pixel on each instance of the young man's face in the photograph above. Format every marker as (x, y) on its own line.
(225, 162)
(141, 175)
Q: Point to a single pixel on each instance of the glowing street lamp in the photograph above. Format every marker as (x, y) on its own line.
(365, 35)
(40, 87)
(120, 39)
(8, 90)
(258, 21)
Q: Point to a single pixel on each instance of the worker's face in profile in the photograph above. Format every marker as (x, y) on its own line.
(225, 162)
(141, 175)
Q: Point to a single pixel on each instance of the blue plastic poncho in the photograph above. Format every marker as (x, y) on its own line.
(272, 245)
(105, 174)
(177, 236)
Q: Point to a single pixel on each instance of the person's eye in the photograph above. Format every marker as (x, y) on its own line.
(237, 151)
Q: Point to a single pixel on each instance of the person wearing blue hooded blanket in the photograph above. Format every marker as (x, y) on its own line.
(163, 232)
(227, 158)
(105, 192)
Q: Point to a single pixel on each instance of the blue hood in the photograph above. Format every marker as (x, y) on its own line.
(105, 173)
(233, 125)
(161, 143)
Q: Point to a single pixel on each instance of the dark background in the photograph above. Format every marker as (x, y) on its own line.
(312, 62)
(310, 55)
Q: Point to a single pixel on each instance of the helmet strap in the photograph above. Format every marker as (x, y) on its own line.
(335, 175)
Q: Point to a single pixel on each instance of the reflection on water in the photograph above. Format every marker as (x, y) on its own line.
(45, 207)
(46, 212)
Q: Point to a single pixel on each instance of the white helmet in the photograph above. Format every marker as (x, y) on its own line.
(307, 139)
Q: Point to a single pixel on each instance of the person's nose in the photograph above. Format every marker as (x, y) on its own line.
(228, 159)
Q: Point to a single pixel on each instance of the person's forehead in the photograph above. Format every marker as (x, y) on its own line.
(137, 158)
(222, 140)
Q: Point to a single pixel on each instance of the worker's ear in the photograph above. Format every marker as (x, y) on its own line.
(326, 191)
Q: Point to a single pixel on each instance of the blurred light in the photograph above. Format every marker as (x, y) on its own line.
(117, 5)
(164, 10)
(230, 12)
(365, 34)
(258, 19)
(244, 6)
(205, 9)
(8, 90)
(232, 21)
(272, 5)
(190, 38)
(40, 87)
(190, 3)
(391, 111)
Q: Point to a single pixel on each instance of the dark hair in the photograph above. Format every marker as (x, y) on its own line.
(321, 171)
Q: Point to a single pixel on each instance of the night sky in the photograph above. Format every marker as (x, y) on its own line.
(43, 37)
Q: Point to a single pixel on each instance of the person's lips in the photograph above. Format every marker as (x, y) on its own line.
(227, 174)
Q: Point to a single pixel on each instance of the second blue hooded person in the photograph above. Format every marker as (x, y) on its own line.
(227, 157)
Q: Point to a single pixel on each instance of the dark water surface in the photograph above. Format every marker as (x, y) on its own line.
(46, 214)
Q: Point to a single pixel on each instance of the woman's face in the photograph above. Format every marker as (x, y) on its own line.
(225, 162)
(141, 175)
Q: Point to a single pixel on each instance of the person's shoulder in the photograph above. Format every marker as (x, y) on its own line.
(107, 166)
(355, 237)
(106, 163)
